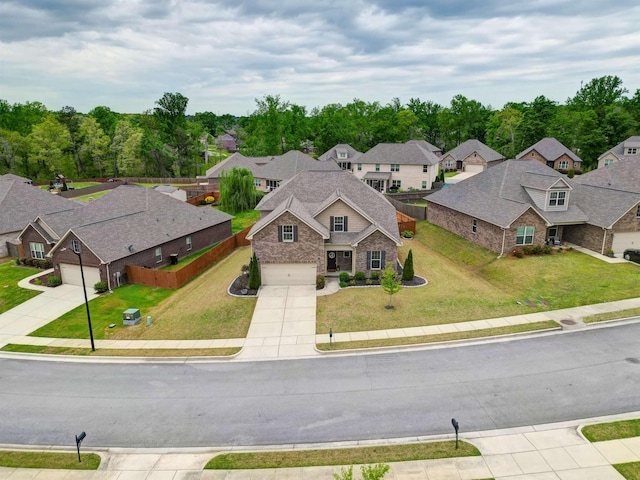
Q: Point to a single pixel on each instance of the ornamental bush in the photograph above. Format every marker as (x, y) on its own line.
(100, 287)
(359, 276)
(407, 270)
(344, 277)
(54, 281)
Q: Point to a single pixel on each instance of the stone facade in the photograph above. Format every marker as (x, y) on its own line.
(555, 164)
(308, 249)
(486, 234)
(375, 241)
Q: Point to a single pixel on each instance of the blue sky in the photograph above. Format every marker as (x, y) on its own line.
(222, 55)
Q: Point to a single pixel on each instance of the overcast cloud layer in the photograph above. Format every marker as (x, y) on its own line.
(222, 55)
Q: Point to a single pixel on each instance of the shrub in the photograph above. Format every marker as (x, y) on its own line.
(343, 284)
(37, 281)
(537, 249)
(375, 275)
(610, 253)
(352, 283)
(527, 249)
(571, 173)
(244, 269)
(320, 282)
(560, 249)
(29, 262)
(368, 281)
(254, 273)
(518, 253)
(407, 234)
(547, 249)
(407, 270)
(203, 202)
(43, 264)
(54, 281)
(18, 261)
(100, 287)
(344, 277)
(210, 199)
(359, 276)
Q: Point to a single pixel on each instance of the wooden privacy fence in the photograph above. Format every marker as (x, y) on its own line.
(177, 278)
(414, 211)
(405, 222)
(196, 200)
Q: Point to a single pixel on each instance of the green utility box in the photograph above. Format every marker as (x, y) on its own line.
(131, 316)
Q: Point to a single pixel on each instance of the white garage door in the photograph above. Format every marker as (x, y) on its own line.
(288, 274)
(622, 241)
(474, 168)
(71, 274)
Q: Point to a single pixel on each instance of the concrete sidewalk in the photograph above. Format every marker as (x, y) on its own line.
(545, 452)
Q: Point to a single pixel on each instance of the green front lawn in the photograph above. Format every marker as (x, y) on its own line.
(91, 196)
(48, 460)
(183, 262)
(11, 294)
(467, 282)
(242, 220)
(201, 309)
(612, 431)
(630, 471)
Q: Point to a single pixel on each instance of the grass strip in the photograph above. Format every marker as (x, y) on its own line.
(630, 471)
(442, 337)
(612, 431)
(601, 317)
(122, 352)
(342, 456)
(49, 460)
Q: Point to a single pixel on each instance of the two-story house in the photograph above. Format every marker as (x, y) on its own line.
(628, 149)
(343, 154)
(553, 154)
(323, 223)
(470, 156)
(524, 202)
(394, 166)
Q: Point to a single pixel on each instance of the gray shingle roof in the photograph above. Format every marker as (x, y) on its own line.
(293, 162)
(550, 149)
(237, 161)
(399, 153)
(315, 190)
(21, 203)
(618, 150)
(166, 188)
(141, 217)
(426, 145)
(332, 153)
(623, 176)
(465, 149)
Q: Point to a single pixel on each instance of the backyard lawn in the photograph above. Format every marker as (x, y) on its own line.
(199, 310)
(10, 293)
(243, 220)
(467, 282)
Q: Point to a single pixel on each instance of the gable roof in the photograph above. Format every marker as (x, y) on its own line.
(618, 150)
(332, 153)
(465, 149)
(426, 145)
(400, 153)
(550, 149)
(294, 207)
(137, 216)
(499, 196)
(11, 176)
(166, 188)
(622, 176)
(314, 191)
(236, 160)
(20, 203)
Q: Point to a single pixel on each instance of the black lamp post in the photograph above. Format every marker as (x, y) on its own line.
(76, 247)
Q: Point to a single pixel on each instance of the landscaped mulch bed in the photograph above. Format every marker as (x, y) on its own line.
(240, 287)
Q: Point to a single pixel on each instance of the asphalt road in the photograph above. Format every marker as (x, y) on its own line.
(496, 385)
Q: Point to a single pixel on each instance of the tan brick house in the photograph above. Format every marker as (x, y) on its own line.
(470, 156)
(524, 202)
(323, 223)
(553, 154)
(629, 149)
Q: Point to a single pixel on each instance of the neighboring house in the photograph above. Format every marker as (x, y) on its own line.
(344, 155)
(392, 166)
(268, 172)
(11, 176)
(19, 204)
(173, 192)
(524, 202)
(427, 146)
(322, 223)
(471, 156)
(628, 149)
(227, 142)
(130, 226)
(553, 154)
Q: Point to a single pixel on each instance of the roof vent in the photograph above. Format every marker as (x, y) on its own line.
(130, 248)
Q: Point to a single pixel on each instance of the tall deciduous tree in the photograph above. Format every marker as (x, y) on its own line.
(503, 131)
(125, 149)
(237, 192)
(71, 119)
(599, 93)
(50, 140)
(94, 145)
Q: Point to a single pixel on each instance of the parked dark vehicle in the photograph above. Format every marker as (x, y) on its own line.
(632, 254)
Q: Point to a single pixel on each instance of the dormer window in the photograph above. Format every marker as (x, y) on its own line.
(342, 155)
(557, 199)
(632, 151)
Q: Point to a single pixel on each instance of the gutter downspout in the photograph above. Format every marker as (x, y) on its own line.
(108, 277)
(604, 239)
(504, 236)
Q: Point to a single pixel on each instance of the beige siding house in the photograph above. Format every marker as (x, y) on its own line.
(628, 149)
(470, 156)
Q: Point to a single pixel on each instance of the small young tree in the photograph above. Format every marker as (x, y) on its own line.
(407, 270)
(237, 192)
(254, 273)
(390, 282)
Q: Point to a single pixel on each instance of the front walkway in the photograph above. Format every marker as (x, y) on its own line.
(544, 452)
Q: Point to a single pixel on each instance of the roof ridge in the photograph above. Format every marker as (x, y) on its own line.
(504, 179)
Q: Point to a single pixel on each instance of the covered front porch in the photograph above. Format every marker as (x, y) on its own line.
(377, 180)
(339, 259)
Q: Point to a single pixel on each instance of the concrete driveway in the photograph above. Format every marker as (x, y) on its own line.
(38, 311)
(283, 324)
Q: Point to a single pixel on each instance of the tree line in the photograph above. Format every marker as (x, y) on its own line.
(165, 142)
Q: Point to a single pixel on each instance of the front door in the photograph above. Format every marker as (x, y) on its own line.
(331, 261)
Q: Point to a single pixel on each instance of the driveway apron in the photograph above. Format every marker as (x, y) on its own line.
(283, 323)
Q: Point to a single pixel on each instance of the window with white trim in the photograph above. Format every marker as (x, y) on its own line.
(376, 260)
(563, 164)
(342, 155)
(37, 250)
(287, 233)
(608, 162)
(638, 211)
(346, 254)
(257, 182)
(377, 167)
(272, 184)
(395, 167)
(424, 185)
(449, 163)
(359, 167)
(189, 244)
(158, 254)
(338, 224)
(474, 225)
(396, 183)
(425, 168)
(524, 236)
(632, 150)
(557, 199)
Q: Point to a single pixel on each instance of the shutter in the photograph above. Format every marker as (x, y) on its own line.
(279, 233)
(382, 255)
(368, 260)
(295, 233)
(331, 223)
(345, 223)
